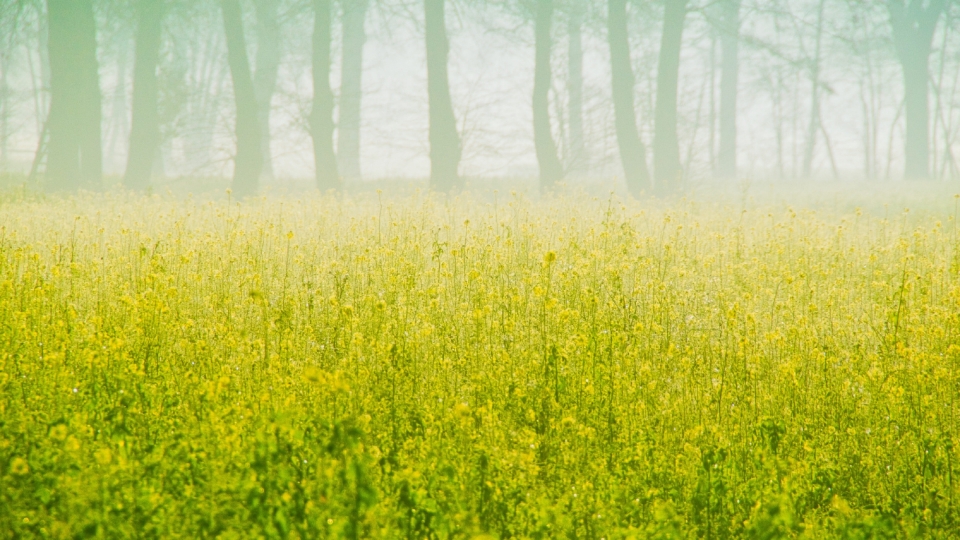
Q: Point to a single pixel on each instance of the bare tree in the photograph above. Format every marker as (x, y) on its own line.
(196, 83)
(40, 83)
(9, 17)
(813, 125)
(265, 76)
(145, 123)
(249, 159)
(666, 146)
(576, 157)
(633, 153)
(729, 78)
(74, 158)
(865, 44)
(551, 170)
(445, 151)
(4, 109)
(945, 86)
(914, 23)
(351, 87)
(321, 119)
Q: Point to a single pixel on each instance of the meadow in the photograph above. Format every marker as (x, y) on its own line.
(477, 367)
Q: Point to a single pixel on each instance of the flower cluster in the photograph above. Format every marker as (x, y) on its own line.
(440, 368)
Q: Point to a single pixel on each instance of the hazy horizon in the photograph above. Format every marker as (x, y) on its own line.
(859, 134)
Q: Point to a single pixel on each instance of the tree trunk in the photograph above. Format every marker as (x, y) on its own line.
(445, 149)
(813, 127)
(41, 99)
(551, 170)
(576, 158)
(633, 154)
(145, 124)
(351, 87)
(870, 93)
(916, 107)
(913, 28)
(265, 76)
(666, 146)
(729, 75)
(321, 119)
(203, 101)
(74, 158)
(4, 109)
(249, 160)
(118, 133)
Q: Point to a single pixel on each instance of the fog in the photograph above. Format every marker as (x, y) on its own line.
(801, 93)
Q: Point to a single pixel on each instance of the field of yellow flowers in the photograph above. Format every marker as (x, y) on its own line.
(476, 368)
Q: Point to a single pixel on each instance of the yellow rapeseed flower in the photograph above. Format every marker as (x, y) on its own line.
(19, 467)
(313, 375)
(58, 432)
(103, 456)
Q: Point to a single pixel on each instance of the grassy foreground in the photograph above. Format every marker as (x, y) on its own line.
(462, 369)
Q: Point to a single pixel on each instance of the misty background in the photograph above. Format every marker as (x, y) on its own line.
(833, 90)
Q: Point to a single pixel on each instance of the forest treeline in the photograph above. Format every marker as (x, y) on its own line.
(67, 36)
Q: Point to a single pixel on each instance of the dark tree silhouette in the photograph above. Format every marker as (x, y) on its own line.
(321, 119)
(666, 147)
(729, 77)
(351, 87)
(249, 159)
(633, 153)
(265, 75)
(576, 157)
(551, 170)
(145, 124)
(914, 22)
(74, 159)
(445, 149)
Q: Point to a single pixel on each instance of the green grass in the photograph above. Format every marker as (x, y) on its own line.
(462, 368)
